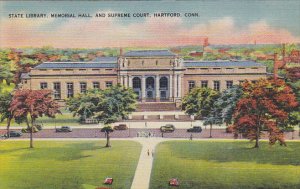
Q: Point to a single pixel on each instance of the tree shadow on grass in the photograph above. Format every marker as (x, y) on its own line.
(238, 152)
(13, 150)
(67, 152)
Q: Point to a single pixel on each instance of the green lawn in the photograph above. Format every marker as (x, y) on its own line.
(226, 165)
(64, 119)
(58, 164)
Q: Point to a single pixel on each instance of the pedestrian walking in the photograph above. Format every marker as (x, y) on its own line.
(148, 152)
(191, 137)
(152, 152)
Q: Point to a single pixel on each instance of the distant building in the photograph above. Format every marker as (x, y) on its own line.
(196, 54)
(155, 75)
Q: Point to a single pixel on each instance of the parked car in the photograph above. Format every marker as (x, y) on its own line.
(121, 127)
(14, 134)
(195, 129)
(168, 128)
(64, 129)
(27, 130)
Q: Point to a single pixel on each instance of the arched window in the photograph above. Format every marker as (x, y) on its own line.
(150, 83)
(136, 83)
(163, 83)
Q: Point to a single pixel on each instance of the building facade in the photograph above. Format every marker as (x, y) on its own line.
(155, 75)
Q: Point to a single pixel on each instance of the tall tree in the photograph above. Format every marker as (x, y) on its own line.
(226, 103)
(199, 102)
(107, 106)
(5, 100)
(33, 104)
(266, 103)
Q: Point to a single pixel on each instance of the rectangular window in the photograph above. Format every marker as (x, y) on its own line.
(82, 69)
(108, 69)
(69, 69)
(191, 85)
(57, 90)
(108, 84)
(229, 84)
(44, 85)
(217, 85)
(204, 84)
(82, 87)
(70, 90)
(95, 69)
(96, 85)
(216, 68)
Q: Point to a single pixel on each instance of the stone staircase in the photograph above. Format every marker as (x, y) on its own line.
(156, 107)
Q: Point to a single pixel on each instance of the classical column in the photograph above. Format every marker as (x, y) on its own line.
(171, 87)
(126, 81)
(175, 86)
(122, 80)
(143, 88)
(130, 81)
(179, 86)
(157, 92)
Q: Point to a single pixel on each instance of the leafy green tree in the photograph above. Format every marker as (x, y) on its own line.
(107, 106)
(5, 100)
(107, 129)
(227, 103)
(199, 102)
(5, 67)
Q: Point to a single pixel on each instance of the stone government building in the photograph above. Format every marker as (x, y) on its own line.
(155, 75)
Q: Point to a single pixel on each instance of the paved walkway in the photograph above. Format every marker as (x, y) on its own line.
(143, 171)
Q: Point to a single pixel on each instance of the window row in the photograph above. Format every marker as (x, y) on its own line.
(70, 88)
(204, 83)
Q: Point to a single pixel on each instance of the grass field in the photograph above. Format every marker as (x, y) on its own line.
(64, 119)
(67, 165)
(226, 165)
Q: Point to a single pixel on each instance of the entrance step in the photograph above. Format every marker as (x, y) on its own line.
(156, 107)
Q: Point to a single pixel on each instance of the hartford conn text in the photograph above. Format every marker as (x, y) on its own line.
(103, 15)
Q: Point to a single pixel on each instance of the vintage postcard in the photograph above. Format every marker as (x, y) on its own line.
(150, 94)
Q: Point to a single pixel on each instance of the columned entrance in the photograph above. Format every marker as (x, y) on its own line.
(137, 86)
(150, 88)
(156, 87)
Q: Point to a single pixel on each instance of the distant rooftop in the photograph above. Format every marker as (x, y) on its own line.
(149, 53)
(66, 65)
(104, 59)
(221, 64)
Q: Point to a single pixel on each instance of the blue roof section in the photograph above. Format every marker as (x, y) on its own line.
(222, 64)
(149, 53)
(71, 65)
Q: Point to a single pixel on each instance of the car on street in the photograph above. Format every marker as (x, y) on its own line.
(14, 134)
(64, 129)
(121, 127)
(195, 129)
(168, 128)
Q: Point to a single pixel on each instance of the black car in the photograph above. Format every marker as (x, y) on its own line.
(64, 129)
(14, 134)
(195, 129)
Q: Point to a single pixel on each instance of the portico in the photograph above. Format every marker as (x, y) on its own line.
(149, 87)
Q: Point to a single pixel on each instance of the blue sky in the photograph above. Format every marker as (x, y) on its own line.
(240, 15)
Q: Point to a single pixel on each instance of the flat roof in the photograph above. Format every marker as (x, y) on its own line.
(222, 64)
(149, 53)
(66, 65)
